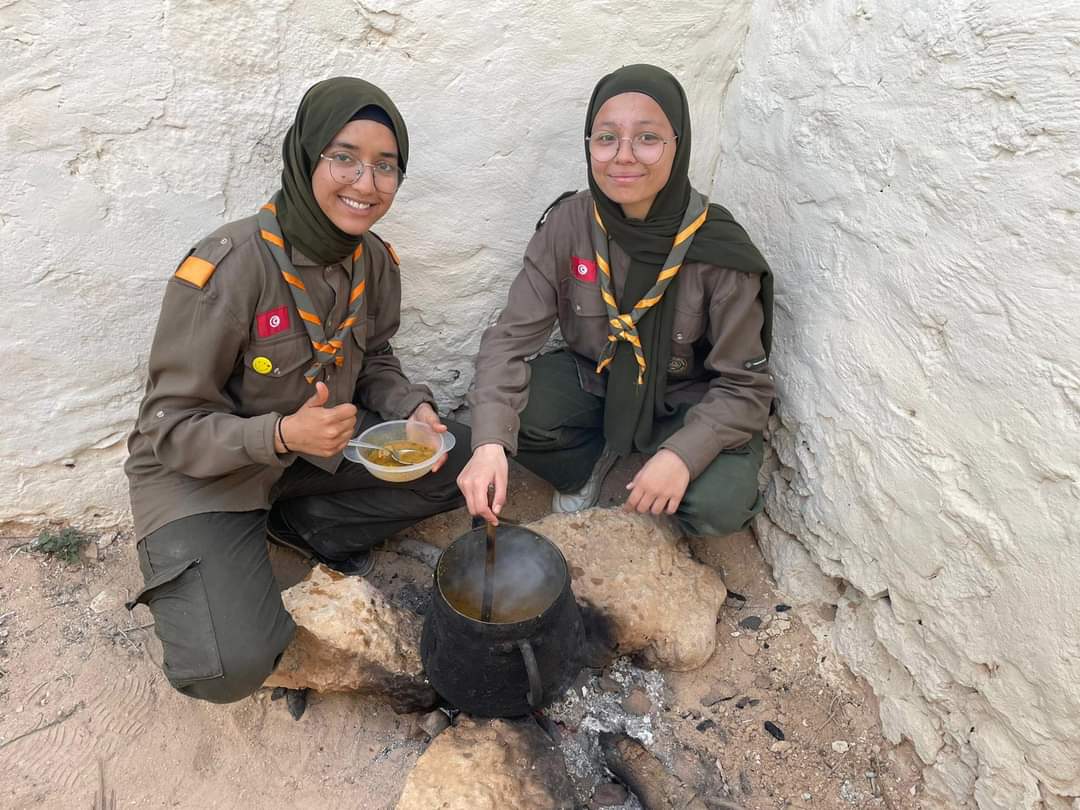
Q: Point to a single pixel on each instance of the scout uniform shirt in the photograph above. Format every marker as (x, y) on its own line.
(228, 359)
(717, 359)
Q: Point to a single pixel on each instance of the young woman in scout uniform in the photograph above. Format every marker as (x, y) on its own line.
(665, 305)
(272, 349)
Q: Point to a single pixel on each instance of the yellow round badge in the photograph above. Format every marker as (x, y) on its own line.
(262, 365)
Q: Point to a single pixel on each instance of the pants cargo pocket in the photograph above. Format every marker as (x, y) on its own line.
(177, 598)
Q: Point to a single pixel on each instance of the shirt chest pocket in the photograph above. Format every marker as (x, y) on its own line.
(272, 377)
(686, 331)
(583, 316)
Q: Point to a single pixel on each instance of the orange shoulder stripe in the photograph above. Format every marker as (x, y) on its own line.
(195, 271)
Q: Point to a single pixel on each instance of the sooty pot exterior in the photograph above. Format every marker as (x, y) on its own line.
(483, 668)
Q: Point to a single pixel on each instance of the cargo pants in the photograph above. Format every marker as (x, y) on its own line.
(208, 583)
(562, 435)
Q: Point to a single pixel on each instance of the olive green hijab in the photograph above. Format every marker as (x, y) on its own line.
(325, 108)
(638, 416)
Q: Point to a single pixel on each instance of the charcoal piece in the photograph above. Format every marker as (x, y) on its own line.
(296, 701)
(774, 729)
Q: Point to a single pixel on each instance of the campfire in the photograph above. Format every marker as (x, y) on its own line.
(581, 725)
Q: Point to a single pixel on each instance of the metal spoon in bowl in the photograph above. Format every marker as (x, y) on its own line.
(394, 454)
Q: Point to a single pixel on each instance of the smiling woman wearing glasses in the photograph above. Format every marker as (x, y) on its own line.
(272, 350)
(666, 308)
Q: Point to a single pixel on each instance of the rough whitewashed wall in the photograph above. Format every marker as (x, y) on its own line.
(913, 172)
(130, 130)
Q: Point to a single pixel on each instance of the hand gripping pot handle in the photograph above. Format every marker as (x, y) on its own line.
(536, 688)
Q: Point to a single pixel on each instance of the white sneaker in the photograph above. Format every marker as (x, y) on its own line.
(588, 495)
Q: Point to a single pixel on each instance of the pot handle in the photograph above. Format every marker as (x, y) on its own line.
(536, 688)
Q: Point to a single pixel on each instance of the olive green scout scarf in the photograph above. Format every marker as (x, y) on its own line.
(636, 415)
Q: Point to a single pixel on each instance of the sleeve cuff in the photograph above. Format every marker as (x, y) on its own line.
(259, 440)
(414, 399)
(495, 423)
(697, 445)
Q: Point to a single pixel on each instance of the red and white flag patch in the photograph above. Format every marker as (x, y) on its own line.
(583, 269)
(272, 321)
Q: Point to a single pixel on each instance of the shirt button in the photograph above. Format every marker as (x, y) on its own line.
(159, 414)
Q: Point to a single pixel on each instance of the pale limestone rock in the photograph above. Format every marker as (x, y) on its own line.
(349, 638)
(489, 765)
(659, 602)
(106, 600)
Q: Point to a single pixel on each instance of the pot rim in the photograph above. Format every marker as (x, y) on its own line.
(554, 601)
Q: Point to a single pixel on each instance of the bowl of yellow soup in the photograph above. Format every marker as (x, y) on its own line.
(417, 439)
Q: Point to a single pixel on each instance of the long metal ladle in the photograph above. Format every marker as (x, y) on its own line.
(489, 565)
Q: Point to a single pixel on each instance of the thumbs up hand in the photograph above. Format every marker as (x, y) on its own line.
(316, 430)
(319, 398)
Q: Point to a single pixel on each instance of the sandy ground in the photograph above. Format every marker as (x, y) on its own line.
(82, 701)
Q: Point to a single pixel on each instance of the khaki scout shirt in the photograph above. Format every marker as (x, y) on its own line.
(717, 359)
(204, 439)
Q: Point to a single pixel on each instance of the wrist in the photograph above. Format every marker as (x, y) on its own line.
(280, 444)
(492, 450)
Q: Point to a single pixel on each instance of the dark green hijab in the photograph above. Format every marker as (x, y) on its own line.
(325, 108)
(638, 416)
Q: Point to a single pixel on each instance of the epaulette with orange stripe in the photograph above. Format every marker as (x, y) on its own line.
(389, 248)
(202, 260)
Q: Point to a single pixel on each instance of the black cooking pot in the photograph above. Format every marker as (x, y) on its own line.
(529, 651)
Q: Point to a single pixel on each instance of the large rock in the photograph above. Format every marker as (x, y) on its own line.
(489, 765)
(349, 638)
(656, 600)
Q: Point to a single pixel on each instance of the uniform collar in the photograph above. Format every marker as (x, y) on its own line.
(300, 260)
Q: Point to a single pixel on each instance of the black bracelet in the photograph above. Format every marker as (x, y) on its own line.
(281, 435)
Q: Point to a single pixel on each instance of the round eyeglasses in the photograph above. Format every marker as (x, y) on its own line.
(344, 168)
(647, 147)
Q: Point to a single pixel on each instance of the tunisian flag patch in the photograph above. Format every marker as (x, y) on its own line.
(583, 269)
(272, 321)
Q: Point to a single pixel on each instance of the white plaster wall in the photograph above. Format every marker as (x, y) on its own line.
(130, 130)
(913, 172)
